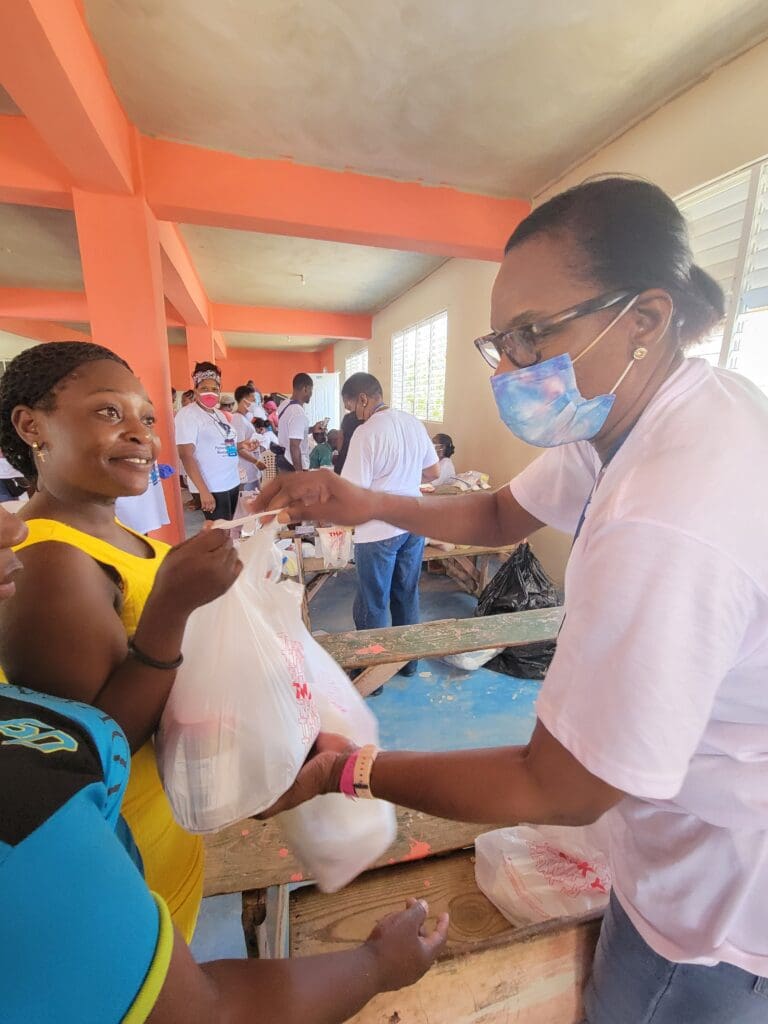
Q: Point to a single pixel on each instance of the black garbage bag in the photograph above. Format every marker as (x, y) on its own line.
(520, 585)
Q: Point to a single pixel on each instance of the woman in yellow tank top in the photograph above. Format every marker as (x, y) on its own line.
(99, 611)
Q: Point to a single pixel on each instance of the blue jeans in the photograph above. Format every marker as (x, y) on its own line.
(631, 984)
(388, 581)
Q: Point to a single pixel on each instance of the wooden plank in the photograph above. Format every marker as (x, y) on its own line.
(316, 564)
(489, 971)
(361, 648)
(372, 678)
(255, 854)
(537, 978)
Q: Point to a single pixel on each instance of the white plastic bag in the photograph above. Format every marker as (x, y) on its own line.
(335, 545)
(241, 718)
(471, 660)
(336, 838)
(532, 874)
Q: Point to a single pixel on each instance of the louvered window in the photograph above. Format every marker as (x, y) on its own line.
(728, 222)
(356, 363)
(418, 368)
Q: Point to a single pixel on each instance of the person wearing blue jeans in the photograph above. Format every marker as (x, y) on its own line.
(388, 584)
(631, 983)
(390, 452)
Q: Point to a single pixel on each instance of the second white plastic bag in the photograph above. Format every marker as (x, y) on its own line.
(336, 838)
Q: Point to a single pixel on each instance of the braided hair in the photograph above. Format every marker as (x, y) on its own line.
(32, 379)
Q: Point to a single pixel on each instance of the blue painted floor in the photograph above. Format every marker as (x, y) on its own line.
(441, 708)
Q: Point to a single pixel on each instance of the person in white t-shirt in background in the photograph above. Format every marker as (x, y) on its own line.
(654, 710)
(444, 450)
(248, 442)
(257, 409)
(293, 425)
(145, 512)
(390, 452)
(207, 446)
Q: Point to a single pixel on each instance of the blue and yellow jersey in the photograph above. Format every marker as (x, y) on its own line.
(82, 939)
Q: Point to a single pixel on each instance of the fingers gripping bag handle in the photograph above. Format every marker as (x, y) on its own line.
(241, 718)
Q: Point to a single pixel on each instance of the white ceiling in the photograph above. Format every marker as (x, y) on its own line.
(38, 249)
(265, 270)
(498, 96)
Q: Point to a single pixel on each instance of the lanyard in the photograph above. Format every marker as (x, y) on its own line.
(222, 425)
(611, 456)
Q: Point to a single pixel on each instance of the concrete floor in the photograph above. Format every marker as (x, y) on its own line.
(440, 708)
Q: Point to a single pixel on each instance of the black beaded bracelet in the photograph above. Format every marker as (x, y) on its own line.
(163, 666)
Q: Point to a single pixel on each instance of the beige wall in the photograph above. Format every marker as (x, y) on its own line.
(719, 125)
(12, 344)
(463, 288)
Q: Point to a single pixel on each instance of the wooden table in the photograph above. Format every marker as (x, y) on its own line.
(489, 972)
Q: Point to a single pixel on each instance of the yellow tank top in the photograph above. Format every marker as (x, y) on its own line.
(173, 859)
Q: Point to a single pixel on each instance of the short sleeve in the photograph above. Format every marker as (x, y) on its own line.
(358, 466)
(654, 620)
(554, 487)
(74, 901)
(244, 431)
(296, 423)
(186, 429)
(429, 456)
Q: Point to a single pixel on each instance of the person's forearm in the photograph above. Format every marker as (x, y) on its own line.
(296, 459)
(248, 456)
(490, 786)
(192, 470)
(327, 989)
(458, 519)
(135, 693)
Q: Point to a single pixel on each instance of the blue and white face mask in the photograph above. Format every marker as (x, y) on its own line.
(542, 404)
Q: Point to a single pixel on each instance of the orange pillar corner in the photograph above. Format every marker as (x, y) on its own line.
(120, 252)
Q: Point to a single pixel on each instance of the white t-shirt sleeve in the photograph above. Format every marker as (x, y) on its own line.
(244, 431)
(554, 487)
(186, 426)
(295, 422)
(358, 467)
(654, 620)
(429, 455)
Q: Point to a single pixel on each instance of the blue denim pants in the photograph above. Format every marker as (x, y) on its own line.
(631, 984)
(388, 581)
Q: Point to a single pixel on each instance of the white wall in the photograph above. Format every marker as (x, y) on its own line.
(12, 344)
(463, 288)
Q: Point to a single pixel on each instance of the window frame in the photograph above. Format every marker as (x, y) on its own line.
(400, 335)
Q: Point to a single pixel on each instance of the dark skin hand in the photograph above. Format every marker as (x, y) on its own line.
(97, 444)
(327, 989)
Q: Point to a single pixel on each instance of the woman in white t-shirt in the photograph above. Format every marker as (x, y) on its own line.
(207, 446)
(654, 711)
(444, 449)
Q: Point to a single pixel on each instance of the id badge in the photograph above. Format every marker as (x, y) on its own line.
(231, 447)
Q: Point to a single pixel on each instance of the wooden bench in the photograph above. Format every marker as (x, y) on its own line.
(381, 653)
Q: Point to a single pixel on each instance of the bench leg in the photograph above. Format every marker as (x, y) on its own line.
(253, 916)
(372, 678)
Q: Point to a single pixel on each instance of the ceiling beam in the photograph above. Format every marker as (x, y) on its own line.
(294, 322)
(42, 330)
(188, 184)
(182, 285)
(54, 73)
(29, 175)
(42, 304)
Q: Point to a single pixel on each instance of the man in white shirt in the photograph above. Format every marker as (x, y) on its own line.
(293, 425)
(390, 451)
(247, 440)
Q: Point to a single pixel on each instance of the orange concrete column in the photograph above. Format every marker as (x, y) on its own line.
(200, 346)
(120, 253)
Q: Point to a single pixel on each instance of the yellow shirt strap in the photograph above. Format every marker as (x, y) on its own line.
(149, 992)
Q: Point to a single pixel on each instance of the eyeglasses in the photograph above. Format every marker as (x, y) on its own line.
(520, 345)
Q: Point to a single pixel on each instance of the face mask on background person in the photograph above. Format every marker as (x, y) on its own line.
(542, 404)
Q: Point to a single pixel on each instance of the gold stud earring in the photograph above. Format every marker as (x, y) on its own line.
(640, 353)
(39, 451)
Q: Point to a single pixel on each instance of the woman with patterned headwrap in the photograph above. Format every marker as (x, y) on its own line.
(207, 446)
